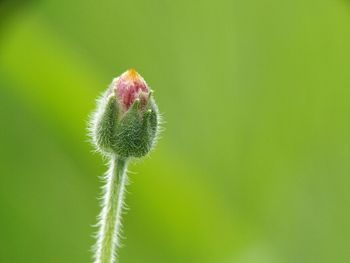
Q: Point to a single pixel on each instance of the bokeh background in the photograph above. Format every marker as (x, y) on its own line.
(253, 165)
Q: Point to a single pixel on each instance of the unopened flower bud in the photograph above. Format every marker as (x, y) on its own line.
(126, 120)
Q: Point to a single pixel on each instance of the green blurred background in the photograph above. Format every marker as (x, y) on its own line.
(254, 161)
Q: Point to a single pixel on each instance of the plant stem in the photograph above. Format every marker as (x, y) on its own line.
(112, 205)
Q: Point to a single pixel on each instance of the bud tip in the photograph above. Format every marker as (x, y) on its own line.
(132, 74)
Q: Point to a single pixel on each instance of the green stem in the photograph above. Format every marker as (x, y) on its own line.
(108, 236)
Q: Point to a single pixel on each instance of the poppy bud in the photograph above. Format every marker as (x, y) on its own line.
(126, 120)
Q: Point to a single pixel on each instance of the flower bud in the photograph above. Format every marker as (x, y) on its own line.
(126, 120)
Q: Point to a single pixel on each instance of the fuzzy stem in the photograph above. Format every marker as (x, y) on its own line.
(108, 235)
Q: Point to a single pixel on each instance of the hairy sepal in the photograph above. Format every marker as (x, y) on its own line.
(129, 134)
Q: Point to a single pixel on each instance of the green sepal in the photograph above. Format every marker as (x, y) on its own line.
(105, 128)
(126, 134)
(136, 130)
